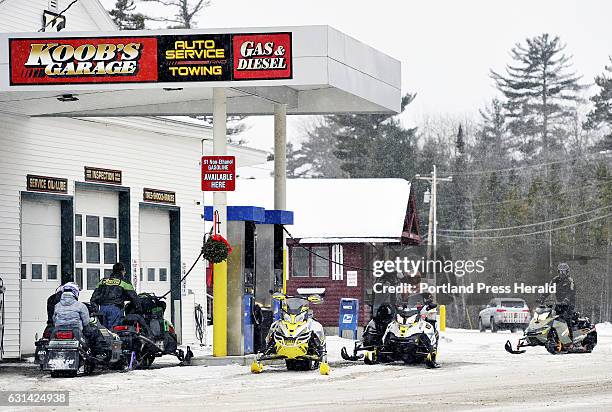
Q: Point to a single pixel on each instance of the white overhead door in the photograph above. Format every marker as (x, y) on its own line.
(96, 235)
(40, 264)
(155, 252)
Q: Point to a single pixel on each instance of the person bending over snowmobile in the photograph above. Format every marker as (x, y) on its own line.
(375, 329)
(111, 294)
(69, 312)
(565, 295)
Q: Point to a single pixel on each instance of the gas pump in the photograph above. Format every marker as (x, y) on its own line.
(254, 272)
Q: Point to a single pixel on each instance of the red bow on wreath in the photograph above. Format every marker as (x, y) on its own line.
(219, 238)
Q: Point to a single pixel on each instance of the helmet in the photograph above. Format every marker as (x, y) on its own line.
(563, 269)
(71, 287)
(384, 312)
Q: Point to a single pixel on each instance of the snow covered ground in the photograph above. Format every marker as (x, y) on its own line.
(476, 373)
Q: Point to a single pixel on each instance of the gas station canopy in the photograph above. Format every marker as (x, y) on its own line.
(310, 69)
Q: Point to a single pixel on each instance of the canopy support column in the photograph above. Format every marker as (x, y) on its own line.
(280, 171)
(220, 205)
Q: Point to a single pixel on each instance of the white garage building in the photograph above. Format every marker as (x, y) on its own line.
(77, 195)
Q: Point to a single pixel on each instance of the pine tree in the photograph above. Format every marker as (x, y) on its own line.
(540, 91)
(315, 157)
(124, 17)
(374, 145)
(601, 115)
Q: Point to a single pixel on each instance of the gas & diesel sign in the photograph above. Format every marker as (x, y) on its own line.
(140, 59)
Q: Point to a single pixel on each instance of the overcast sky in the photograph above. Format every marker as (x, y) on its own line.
(446, 46)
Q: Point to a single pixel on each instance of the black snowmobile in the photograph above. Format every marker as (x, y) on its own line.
(146, 335)
(372, 335)
(64, 351)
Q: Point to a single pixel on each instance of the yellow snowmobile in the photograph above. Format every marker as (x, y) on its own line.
(296, 337)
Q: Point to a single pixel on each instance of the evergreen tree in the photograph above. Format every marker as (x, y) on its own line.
(540, 91)
(124, 17)
(316, 157)
(601, 115)
(374, 145)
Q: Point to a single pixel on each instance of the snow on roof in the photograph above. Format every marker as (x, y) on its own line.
(334, 208)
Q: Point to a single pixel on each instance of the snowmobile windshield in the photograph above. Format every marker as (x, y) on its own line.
(540, 315)
(294, 305)
(406, 317)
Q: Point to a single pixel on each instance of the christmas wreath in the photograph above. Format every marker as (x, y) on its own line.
(216, 248)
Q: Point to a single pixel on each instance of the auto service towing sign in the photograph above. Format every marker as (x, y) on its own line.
(218, 173)
(146, 59)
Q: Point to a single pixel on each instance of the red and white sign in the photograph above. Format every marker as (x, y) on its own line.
(218, 173)
(83, 60)
(262, 56)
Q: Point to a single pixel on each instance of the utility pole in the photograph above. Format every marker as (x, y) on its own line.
(432, 227)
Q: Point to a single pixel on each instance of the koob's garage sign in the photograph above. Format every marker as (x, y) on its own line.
(83, 60)
(142, 59)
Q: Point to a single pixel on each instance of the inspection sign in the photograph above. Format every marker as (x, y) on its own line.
(218, 173)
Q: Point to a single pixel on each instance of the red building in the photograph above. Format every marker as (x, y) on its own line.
(340, 227)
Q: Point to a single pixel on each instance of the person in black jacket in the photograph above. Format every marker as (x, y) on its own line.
(52, 301)
(110, 295)
(565, 294)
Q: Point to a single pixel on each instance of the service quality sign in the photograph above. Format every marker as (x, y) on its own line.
(141, 59)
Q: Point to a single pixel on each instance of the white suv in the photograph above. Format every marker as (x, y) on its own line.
(504, 313)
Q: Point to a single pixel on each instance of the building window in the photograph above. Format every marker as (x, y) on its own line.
(141, 275)
(299, 262)
(78, 277)
(93, 277)
(311, 261)
(99, 239)
(110, 228)
(320, 262)
(92, 226)
(92, 252)
(37, 270)
(163, 274)
(24, 271)
(108, 273)
(337, 257)
(51, 272)
(110, 253)
(78, 225)
(151, 274)
(78, 252)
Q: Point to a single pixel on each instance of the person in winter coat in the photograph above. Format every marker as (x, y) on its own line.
(69, 312)
(111, 294)
(51, 302)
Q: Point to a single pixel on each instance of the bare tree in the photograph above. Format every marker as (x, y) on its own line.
(179, 14)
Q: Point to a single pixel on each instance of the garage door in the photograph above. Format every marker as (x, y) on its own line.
(154, 228)
(96, 236)
(40, 265)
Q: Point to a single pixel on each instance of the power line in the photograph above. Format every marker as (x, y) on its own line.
(526, 234)
(509, 169)
(603, 182)
(60, 14)
(524, 226)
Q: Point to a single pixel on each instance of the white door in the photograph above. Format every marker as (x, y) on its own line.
(155, 252)
(40, 265)
(96, 236)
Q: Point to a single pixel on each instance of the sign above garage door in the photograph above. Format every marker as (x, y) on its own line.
(146, 59)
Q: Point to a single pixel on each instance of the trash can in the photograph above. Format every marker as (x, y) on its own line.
(349, 316)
